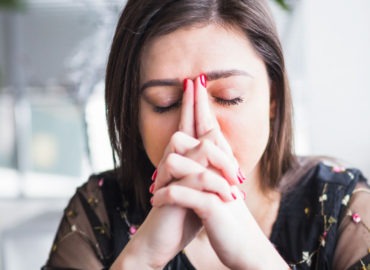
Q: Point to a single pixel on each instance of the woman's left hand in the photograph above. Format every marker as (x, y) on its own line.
(232, 230)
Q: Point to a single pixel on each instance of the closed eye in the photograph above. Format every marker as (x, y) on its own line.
(229, 102)
(221, 101)
(159, 109)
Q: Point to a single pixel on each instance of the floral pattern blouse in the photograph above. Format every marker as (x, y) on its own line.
(322, 223)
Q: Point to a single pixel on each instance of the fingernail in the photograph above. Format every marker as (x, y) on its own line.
(203, 80)
(151, 188)
(154, 176)
(241, 176)
(185, 84)
(233, 195)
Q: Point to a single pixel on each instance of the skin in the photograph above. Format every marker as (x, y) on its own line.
(198, 139)
(180, 57)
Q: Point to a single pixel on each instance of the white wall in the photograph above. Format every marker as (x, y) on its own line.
(328, 55)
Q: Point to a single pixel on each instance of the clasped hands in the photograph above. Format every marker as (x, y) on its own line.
(194, 188)
(198, 164)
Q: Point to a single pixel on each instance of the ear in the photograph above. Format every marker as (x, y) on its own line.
(273, 98)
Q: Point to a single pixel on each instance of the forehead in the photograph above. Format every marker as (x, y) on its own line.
(190, 51)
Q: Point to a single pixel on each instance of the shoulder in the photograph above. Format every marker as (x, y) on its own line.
(323, 188)
(343, 197)
(91, 195)
(95, 182)
(353, 247)
(331, 187)
(326, 176)
(315, 207)
(89, 200)
(85, 225)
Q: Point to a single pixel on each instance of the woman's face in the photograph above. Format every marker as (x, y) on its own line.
(238, 89)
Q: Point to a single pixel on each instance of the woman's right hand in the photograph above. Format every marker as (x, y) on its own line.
(166, 230)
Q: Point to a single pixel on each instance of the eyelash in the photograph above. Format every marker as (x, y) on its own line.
(229, 102)
(223, 102)
(159, 109)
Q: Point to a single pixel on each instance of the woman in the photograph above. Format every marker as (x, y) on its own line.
(199, 116)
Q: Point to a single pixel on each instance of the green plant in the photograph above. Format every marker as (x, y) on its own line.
(283, 4)
(12, 4)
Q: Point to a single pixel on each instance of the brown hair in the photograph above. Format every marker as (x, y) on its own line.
(141, 21)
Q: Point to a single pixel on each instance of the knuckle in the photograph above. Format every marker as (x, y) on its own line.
(176, 138)
(214, 132)
(170, 194)
(205, 145)
(203, 178)
(225, 185)
(212, 135)
(170, 162)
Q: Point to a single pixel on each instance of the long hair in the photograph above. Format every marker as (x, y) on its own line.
(143, 20)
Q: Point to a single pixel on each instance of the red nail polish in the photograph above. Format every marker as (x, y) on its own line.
(154, 176)
(203, 80)
(241, 176)
(151, 188)
(233, 195)
(240, 180)
(185, 84)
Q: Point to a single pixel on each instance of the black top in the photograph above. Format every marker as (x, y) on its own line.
(305, 232)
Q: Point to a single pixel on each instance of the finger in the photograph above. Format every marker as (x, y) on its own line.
(238, 193)
(183, 196)
(187, 109)
(216, 136)
(207, 154)
(202, 203)
(208, 181)
(204, 120)
(174, 166)
(180, 143)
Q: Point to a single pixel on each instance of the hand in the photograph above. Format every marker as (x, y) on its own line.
(186, 156)
(168, 229)
(205, 182)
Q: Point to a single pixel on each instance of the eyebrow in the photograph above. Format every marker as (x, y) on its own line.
(211, 76)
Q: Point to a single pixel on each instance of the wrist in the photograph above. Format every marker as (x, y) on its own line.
(263, 256)
(273, 261)
(134, 256)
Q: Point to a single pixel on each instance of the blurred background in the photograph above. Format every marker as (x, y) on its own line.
(52, 122)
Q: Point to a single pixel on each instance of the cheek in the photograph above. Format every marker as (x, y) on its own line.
(247, 133)
(156, 131)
